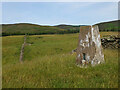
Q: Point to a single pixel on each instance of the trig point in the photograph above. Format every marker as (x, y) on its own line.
(89, 51)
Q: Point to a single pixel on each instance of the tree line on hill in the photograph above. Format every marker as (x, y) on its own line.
(33, 29)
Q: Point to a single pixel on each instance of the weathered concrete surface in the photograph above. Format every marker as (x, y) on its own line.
(89, 51)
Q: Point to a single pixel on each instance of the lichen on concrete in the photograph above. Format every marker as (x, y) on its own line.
(89, 51)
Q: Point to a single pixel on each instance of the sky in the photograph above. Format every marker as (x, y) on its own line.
(54, 13)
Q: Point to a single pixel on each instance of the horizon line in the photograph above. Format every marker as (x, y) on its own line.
(57, 24)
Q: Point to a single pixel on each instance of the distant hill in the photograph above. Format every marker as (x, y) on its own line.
(33, 29)
(109, 26)
(69, 27)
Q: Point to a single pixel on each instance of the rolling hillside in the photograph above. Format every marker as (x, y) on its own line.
(33, 29)
(109, 26)
(68, 27)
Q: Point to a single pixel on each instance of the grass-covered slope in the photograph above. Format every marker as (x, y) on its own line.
(33, 29)
(19, 29)
(49, 64)
(68, 27)
(109, 26)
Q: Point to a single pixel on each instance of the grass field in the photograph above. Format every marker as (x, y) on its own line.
(49, 64)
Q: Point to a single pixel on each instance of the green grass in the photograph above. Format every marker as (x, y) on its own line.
(49, 64)
(11, 49)
(33, 29)
(109, 26)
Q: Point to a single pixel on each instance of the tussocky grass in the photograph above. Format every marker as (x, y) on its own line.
(49, 64)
